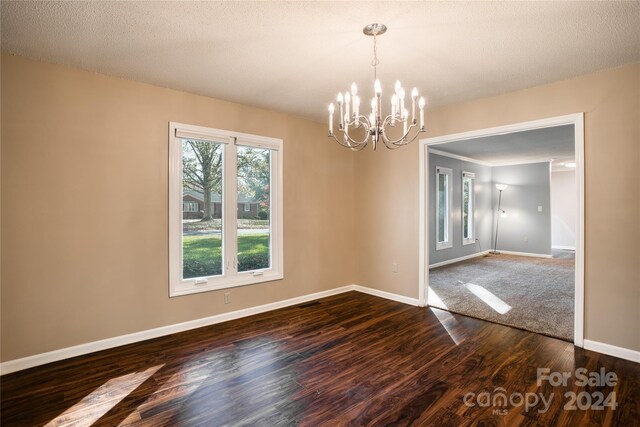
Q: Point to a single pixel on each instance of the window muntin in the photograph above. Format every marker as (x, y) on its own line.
(205, 256)
(443, 208)
(468, 208)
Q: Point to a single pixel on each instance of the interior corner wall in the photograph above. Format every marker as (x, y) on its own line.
(387, 193)
(564, 209)
(84, 252)
(525, 229)
(483, 215)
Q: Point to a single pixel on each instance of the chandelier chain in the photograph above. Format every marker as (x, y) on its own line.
(375, 61)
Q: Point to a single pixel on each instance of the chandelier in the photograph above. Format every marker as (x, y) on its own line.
(376, 126)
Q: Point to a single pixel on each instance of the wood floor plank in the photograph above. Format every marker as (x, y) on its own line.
(346, 360)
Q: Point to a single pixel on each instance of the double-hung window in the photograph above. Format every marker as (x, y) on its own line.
(443, 208)
(215, 250)
(468, 208)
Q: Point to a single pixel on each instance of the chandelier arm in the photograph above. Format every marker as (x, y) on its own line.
(400, 141)
(351, 147)
(393, 146)
(343, 143)
(351, 144)
(362, 121)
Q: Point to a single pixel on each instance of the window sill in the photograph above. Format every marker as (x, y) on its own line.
(468, 242)
(216, 284)
(441, 246)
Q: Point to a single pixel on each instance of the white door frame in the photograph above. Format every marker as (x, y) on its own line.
(577, 120)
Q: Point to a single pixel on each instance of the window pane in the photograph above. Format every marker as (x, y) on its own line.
(465, 207)
(442, 207)
(201, 209)
(254, 208)
(465, 226)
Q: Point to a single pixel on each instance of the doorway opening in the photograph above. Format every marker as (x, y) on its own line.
(502, 225)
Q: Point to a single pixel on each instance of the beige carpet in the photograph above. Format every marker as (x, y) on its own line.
(535, 294)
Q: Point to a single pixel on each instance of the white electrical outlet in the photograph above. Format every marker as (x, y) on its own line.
(394, 267)
(526, 239)
(227, 297)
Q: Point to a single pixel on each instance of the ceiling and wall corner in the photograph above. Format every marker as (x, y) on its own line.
(294, 56)
(552, 144)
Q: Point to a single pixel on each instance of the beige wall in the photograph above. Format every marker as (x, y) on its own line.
(388, 192)
(83, 155)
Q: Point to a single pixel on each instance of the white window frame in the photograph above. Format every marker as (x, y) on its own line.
(230, 276)
(247, 207)
(448, 243)
(470, 176)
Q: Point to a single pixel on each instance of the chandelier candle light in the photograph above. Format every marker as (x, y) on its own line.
(375, 126)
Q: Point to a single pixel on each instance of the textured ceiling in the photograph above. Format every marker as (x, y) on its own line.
(295, 56)
(554, 143)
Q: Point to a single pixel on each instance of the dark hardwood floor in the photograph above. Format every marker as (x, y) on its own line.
(350, 359)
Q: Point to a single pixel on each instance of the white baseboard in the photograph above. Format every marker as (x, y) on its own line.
(386, 295)
(453, 261)
(78, 350)
(81, 349)
(525, 254)
(612, 350)
(565, 248)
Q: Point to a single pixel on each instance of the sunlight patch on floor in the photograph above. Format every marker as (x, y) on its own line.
(448, 322)
(101, 400)
(435, 300)
(488, 298)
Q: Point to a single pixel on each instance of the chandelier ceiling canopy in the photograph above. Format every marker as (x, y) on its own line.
(375, 127)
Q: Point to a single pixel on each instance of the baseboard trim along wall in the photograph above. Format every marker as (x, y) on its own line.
(612, 350)
(477, 254)
(525, 254)
(454, 260)
(566, 248)
(386, 295)
(81, 349)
